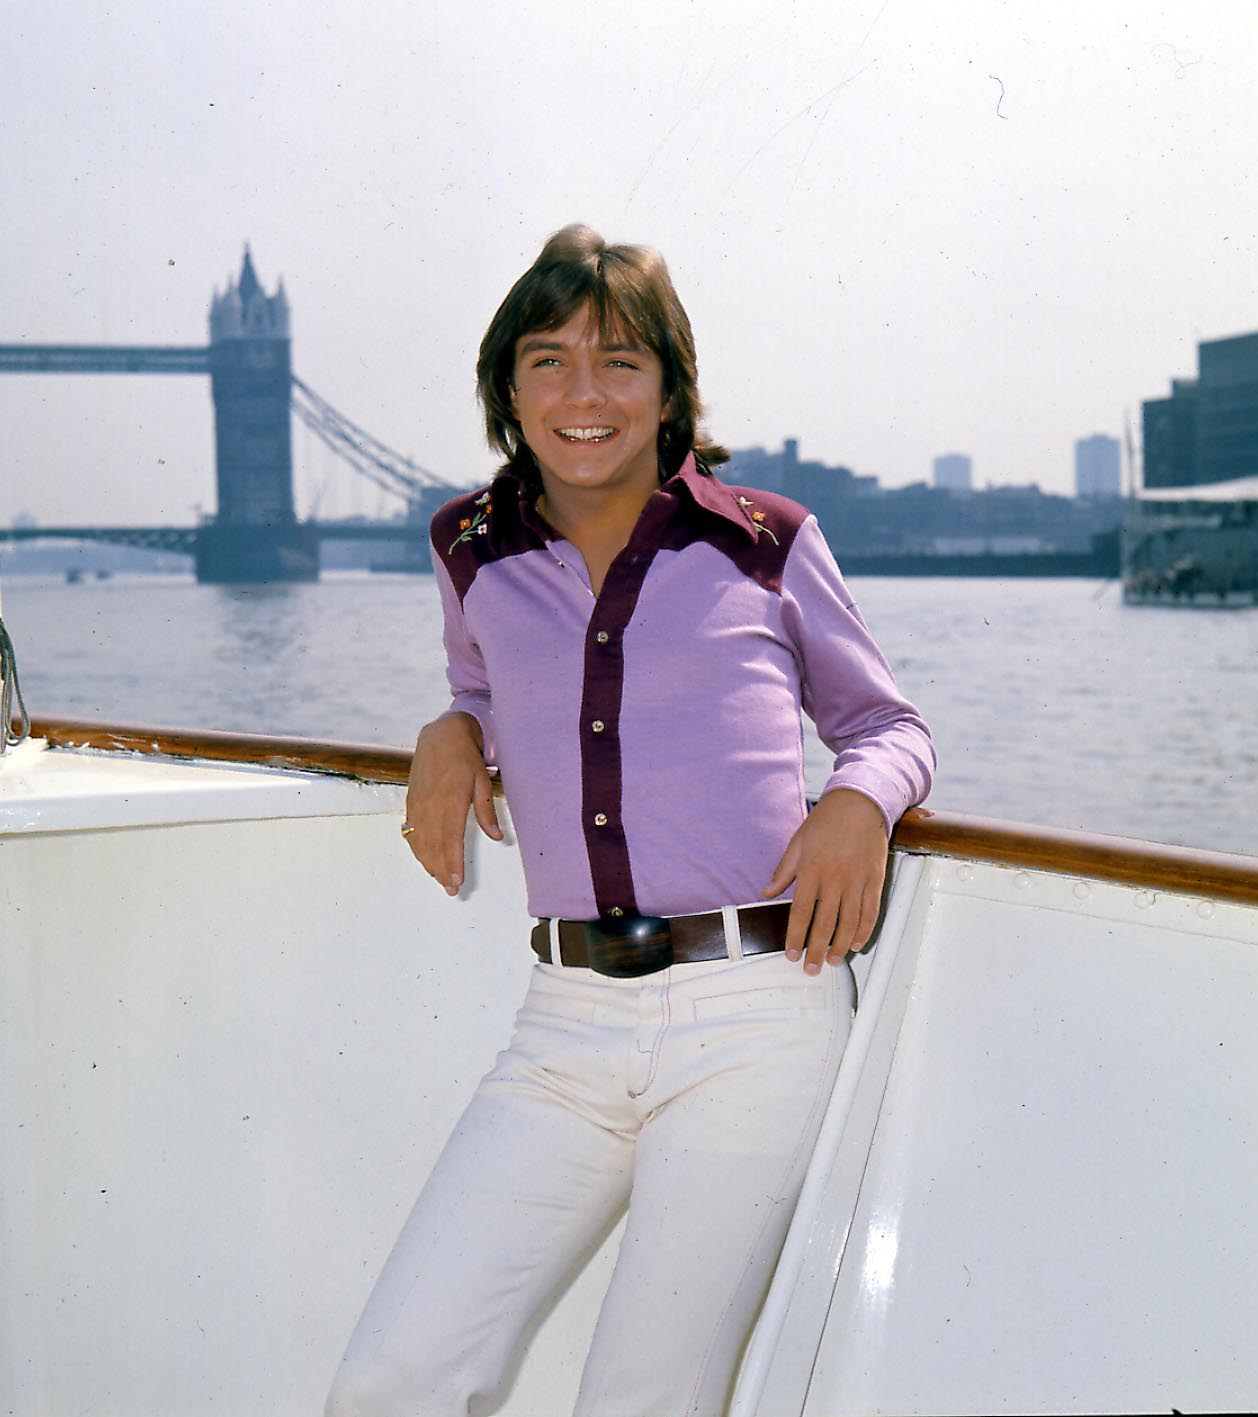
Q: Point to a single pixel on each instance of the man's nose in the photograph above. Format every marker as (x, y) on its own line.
(585, 389)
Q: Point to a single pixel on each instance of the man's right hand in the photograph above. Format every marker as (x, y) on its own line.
(448, 775)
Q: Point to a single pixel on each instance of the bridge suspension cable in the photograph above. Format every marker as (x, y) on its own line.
(364, 452)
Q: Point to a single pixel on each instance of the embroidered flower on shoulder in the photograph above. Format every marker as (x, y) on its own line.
(472, 526)
(758, 522)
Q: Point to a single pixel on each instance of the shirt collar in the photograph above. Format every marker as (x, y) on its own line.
(712, 495)
(699, 485)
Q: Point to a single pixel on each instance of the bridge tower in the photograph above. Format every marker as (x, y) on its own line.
(255, 535)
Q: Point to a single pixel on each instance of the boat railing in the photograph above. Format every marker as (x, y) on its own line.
(921, 831)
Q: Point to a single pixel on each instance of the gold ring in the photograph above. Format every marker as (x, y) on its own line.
(407, 829)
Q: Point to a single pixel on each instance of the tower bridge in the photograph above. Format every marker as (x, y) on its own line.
(254, 534)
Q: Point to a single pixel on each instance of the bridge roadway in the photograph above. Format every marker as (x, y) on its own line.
(184, 538)
(103, 359)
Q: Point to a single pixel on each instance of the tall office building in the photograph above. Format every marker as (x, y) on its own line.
(1207, 431)
(955, 472)
(1227, 409)
(1170, 436)
(1098, 467)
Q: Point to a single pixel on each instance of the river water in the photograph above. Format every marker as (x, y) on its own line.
(1050, 700)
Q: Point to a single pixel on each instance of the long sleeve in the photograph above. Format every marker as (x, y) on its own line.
(465, 666)
(883, 747)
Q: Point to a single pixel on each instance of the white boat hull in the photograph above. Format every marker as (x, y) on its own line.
(237, 1022)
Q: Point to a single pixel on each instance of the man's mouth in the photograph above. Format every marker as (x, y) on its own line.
(598, 434)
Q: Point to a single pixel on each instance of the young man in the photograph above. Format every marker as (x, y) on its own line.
(631, 641)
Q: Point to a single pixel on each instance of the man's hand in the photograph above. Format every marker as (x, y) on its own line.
(837, 859)
(448, 775)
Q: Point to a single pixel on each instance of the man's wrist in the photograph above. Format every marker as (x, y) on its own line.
(844, 797)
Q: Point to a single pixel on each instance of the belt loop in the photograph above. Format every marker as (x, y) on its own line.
(733, 935)
(556, 957)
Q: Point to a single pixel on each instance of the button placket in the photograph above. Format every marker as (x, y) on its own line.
(599, 726)
(599, 721)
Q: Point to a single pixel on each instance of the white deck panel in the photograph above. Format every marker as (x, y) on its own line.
(230, 1051)
(48, 790)
(1056, 1210)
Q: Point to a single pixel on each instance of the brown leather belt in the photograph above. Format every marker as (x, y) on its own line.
(627, 946)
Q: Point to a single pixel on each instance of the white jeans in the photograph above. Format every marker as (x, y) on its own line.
(694, 1097)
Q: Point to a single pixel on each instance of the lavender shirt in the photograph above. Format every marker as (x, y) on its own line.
(649, 740)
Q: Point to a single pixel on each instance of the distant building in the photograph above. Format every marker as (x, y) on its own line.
(1098, 467)
(1207, 431)
(821, 488)
(858, 517)
(1170, 437)
(954, 472)
(1227, 409)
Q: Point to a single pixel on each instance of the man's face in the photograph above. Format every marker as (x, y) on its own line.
(590, 411)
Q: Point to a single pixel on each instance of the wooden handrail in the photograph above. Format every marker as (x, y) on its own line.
(360, 760)
(921, 829)
(1150, 864)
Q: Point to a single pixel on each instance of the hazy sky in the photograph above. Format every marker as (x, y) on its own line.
(901, 227)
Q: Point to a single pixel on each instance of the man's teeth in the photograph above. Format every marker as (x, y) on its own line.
(586, 435)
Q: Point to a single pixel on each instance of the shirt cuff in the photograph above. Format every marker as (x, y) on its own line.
(883, 793)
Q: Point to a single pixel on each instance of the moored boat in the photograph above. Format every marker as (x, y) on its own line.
(237, 1023)
(1193, 546)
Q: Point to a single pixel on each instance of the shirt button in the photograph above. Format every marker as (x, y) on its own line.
(598, 725)
(600, 819)
(616, 910)
(601, 637)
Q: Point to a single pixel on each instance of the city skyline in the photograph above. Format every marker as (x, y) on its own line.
(897, 231)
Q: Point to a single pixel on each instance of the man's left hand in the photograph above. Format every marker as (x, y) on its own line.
(837, 859)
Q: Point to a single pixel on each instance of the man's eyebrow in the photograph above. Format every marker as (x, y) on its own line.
(539, 342)
(530, 346)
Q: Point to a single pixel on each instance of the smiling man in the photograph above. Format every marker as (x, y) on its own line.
(631, 642)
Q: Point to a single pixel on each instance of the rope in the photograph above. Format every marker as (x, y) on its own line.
(10, 691)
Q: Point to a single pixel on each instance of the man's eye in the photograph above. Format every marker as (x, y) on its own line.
(622, 364)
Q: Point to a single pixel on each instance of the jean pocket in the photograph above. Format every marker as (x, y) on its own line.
(546, 1004)
(781, 1001)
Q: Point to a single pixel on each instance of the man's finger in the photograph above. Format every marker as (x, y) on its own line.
(802, 904)
(845, 927)
(456, 828)
(431, 855)
(870, 903)
(784, 871)
(824, 917)
(483, 805)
